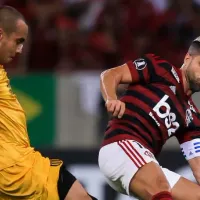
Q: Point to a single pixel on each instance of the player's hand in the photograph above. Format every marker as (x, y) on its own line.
(115, 107)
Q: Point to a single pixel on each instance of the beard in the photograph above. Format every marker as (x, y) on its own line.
(194, 85)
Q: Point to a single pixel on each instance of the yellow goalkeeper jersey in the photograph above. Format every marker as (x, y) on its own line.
(24, 172)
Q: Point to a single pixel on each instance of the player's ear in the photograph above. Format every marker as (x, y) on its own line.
(187, 58)
(1, 33)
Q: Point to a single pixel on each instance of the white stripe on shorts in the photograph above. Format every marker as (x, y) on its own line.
(132, 153)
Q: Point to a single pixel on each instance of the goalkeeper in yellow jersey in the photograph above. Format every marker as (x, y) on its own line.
(24, 172)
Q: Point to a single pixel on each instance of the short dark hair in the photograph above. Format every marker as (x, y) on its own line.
(194, 48)
(8, 18)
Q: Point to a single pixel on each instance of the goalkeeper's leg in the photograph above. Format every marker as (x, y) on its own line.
(69, 188)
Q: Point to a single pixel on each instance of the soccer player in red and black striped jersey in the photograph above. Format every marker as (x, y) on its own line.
(157, 105)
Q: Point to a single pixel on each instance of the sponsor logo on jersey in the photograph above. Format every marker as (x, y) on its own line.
(163, 110)
(175, 75)
(153, 117)
(140, 64)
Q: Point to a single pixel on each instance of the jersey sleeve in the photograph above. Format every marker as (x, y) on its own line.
(189, 135)
(144, 69)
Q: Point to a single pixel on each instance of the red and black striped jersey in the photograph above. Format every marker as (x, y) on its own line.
(156, 107)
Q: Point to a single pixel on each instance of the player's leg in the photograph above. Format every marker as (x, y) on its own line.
(77, 192)
(150, 183)
(185, 190)
(181, 188)
(133, 170)
(69, 188)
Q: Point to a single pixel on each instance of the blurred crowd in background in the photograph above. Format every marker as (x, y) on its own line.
(68, 35)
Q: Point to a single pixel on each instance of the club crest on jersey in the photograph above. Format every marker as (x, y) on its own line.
(188, 114)
(188, 118)
(191, 107)
(140, 64)
(149, 154)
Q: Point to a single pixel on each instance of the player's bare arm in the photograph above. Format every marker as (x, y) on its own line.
(194, 165)
(110, 80)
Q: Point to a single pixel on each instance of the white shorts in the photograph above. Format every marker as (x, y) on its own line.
(120, 161)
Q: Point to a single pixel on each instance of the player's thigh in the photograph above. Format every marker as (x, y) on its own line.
(69, 188)
(65, 182)
(77, 192)
(131, 169)
(185, 190)
(148, 181)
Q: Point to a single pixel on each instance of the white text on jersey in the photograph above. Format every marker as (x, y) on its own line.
(170, 118)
